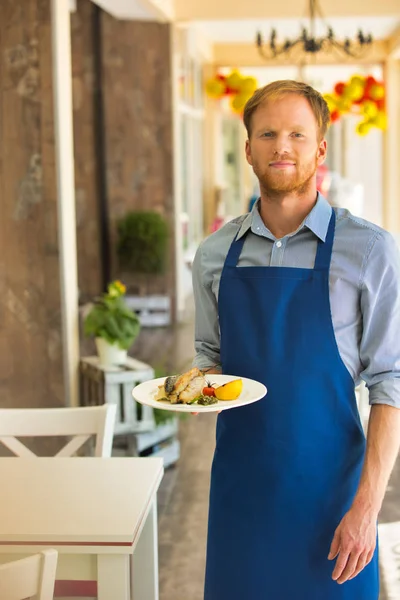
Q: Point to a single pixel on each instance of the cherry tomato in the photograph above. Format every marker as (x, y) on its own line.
(208, 391)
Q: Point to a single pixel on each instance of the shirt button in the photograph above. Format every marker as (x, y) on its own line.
(278, 244)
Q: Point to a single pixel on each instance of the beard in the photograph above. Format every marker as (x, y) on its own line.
(280, 182)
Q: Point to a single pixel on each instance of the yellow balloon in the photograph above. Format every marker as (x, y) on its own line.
(377, 92)
(344, 105)
(238, 102)
(363, 128)
(354, 91)
(357, 80)
(234, 80)
(369, 108)
(380, 120)
(215, 88)
(331, 101)
(248, 85)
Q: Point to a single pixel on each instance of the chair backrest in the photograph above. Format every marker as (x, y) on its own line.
(82, 423)
(29, 577)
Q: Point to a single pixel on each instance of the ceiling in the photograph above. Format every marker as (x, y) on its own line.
(231, 31)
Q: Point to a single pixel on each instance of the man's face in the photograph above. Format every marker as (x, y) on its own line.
(284, 148)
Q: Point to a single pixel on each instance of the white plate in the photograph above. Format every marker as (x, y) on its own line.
(146, 392)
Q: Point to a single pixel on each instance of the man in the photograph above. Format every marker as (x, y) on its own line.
(306, 300)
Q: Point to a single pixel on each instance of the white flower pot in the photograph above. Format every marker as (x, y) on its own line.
(110, 354)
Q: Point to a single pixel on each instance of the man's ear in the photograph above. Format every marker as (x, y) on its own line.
(248, 153)
(321, 153)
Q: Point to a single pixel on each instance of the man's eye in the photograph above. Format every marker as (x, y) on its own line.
(298, 135)
(267, 134)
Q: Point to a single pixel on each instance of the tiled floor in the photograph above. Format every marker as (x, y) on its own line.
(183, 497)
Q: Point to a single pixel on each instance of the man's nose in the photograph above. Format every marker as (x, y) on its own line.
(282, 145)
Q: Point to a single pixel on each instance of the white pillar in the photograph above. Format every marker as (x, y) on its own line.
(391, 177)
(177, 162)
(62, 86)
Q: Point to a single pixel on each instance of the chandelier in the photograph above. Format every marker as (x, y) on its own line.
(310, 44)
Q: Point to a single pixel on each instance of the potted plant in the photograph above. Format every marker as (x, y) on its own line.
(142, 242)
(113, 325)
(142, 248)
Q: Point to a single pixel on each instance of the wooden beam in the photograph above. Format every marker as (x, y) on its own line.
(247, 55)
(291, 9)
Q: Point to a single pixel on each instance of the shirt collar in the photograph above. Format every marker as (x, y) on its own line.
(316, 221)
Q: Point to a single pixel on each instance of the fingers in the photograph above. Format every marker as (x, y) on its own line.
(363, 561)
(349, 568)
(335, 546)
(194, 414)
(341, 564)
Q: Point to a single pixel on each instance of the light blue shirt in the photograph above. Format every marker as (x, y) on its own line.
(364, 283)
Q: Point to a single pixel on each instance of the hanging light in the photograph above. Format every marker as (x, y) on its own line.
(310, 44)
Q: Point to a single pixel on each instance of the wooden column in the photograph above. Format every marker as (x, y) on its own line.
(31, 371)
(86, 149)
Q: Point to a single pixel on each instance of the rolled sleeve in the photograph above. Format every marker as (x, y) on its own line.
(380, 306)
(207, 337)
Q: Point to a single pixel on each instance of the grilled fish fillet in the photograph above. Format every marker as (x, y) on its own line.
(186, 387)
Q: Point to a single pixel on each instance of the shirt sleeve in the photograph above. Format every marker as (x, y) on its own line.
(380, 307)
(207, 337)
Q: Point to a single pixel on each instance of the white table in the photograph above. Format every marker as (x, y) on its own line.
(99, 513)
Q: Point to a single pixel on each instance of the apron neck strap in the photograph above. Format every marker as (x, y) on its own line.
(324, 251)
(322, 259)
(235, 251)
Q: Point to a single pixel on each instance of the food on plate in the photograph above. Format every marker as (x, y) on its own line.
(230, 390)
(192, 388)
(182, 389)
(209, 390)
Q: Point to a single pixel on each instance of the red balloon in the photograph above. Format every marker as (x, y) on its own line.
(339, 88)
(335, 114)
(381, 104)
(369, 82)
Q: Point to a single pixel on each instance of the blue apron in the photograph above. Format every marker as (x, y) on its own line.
(286, 468)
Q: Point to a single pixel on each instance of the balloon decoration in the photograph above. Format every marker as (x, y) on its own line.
(364, 96)
(235, 85)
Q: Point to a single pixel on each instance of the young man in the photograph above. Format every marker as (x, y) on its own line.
(305, 299)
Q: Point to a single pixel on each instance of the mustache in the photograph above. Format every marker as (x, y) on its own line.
(284, 158)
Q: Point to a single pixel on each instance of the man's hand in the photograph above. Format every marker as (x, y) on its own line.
(353, 544)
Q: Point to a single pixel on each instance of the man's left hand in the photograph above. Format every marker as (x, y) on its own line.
(353, 544)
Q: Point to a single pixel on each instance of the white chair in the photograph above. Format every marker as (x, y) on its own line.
(29, 577)
(82, 423)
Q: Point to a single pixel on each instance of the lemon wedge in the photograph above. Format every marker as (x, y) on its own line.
(230, 390)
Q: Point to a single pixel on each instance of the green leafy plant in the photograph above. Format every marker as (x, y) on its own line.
(111, 319)
(142, 242)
